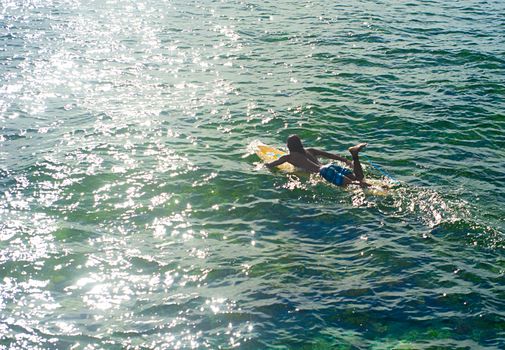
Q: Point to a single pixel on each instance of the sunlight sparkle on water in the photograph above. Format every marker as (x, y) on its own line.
(134, 214)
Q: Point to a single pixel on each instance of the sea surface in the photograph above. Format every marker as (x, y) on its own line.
(134, 214)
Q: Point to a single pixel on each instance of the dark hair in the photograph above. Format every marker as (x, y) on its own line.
(295, 144)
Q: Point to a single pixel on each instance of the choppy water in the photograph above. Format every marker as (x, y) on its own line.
(133, 216)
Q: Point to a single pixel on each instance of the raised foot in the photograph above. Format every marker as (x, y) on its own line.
(354, 150)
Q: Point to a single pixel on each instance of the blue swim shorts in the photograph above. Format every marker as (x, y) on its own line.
(334, 173)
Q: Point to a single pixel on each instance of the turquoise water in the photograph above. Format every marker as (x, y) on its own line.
(133, 215)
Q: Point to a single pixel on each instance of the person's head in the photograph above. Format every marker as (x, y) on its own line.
(295, 144)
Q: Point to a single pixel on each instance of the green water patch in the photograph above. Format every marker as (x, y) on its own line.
(74, 234)
(472, 233)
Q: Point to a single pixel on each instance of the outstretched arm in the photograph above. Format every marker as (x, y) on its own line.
(277, 162)
(318, 152)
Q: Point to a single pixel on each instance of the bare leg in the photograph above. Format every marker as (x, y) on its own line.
(351, 181)
(357, 169)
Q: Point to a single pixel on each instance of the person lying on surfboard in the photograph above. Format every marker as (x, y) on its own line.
(306, 159)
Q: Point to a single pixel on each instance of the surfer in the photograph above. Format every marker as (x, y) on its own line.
(306, 159)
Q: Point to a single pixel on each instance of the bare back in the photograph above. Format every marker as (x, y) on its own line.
(307, 162)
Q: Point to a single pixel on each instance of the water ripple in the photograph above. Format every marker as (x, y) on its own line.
(132, 214)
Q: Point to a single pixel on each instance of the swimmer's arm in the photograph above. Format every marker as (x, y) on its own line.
(277, 162)
(318, 152)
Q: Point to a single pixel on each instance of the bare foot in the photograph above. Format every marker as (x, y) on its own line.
(354, 150)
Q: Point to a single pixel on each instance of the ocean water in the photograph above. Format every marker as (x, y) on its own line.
(134, 216)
